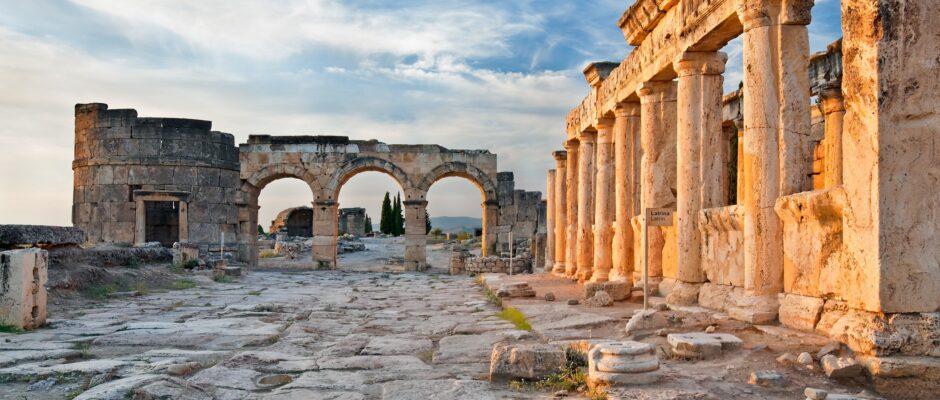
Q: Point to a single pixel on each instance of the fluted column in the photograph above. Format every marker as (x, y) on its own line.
(700, 158)
(776, 124)
(585, 235)
(833, 106)
(626, 129)
(604, 201)
(658, 169)
(571, 228)
(561, 210)
(550, 220)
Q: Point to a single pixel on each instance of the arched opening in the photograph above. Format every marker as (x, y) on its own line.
(455, 210)
(360, 197)
(285, 223)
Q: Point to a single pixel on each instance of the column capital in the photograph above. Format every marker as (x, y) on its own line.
(587, 137)
(757, 13)
(656, 91)
(830, 96)
(605, 130)
(571, 145)
(560, 155)
(700, 63)
(627, 109)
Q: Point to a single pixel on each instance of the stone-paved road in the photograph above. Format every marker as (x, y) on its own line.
(271, 335)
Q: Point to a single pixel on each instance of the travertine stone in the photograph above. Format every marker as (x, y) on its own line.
(800, 312)
(324, 234)
(532, 361)
(415, 235)
(776, 121)
(561, 211)
(833, 108)
(550, 221)
(618, 290)
(701, 151)
(571, 178)
(42, 235)
(700, 345)
(585, 234)
(658, 170)
(604, 202)
(723, 244)
(813, 250)
(622, 363)
(23, 275)
(626, 133)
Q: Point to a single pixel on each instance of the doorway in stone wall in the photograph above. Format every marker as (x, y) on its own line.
(162, 222)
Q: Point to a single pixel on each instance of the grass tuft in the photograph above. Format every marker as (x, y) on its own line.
(4, 328)
(220, 277)
(517, 318)
(268, 254)
(183, 284)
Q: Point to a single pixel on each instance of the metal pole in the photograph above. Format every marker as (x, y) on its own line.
(646, 262)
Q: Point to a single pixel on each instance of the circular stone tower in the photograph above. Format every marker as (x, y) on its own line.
(161, 180)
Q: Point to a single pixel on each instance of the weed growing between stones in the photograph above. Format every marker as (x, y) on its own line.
(491, 296)
(572, 377)
(9, 329)
(183, 284)
(268, 254)
(515, 316)
(254, 293)
(220, 277)
(134, 263)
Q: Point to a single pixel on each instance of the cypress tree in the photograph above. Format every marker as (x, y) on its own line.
(398, 221)
(386, 222)
(368, 225)
(427, 222)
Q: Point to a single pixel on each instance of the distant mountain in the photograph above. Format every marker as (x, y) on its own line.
(456, 224)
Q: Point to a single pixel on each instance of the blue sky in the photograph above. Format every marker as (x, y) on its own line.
(499, 75)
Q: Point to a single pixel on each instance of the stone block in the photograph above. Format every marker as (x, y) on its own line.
(752, 309)
(714, 296)
(840, 367)
(767, 379)
(702, 345)
(525, 361)
(683, 293)
(519, 289)
(600, 299)
(12, 235)
(800, 312)
(622, 363)
(618, 290)
(23, 276)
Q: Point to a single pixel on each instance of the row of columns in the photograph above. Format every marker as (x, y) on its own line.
(664, 148)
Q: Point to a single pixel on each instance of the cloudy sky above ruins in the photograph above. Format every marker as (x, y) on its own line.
(489, 74)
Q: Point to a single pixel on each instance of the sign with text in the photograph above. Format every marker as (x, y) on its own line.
(659, 216)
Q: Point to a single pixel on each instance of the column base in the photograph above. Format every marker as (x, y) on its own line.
(752, 308)
(683, 293)
(559, 268)
(655, 281)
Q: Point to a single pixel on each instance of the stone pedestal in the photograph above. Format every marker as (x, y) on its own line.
(626, 132)
(585, 234)
(561, 211)
(23, 275)
(604, 205)
(622, 363)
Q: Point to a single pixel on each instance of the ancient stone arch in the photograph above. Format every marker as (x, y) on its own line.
(328, 162)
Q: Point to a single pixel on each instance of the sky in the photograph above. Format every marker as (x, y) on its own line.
(493, 74)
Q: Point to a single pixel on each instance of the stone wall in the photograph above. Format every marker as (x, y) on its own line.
(462, 262)
(119, 157)
(518, 213)
(352, 221)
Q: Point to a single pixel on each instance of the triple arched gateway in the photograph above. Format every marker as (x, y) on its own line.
(325, 163)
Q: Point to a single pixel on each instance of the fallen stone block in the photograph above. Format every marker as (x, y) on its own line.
(800, 312)
(767, 379)
(622, 363)
(519, 289)
(815, 394)
(525, 361)
(683, 293)
(804, 358)
(618, 290)
(840, 367)
(702, 345)
(40, 235)
(233, 271)
(549, 296)
(600, 299)
(786, 359)
(23, 276)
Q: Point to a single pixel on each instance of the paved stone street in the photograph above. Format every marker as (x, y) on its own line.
(279, 335)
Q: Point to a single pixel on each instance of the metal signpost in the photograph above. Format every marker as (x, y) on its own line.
(653, 217)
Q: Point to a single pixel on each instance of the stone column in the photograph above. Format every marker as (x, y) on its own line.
(490, 221)
(626, 129)
(324, 234)
(604, 202)
(833, 107)
(700, 159)
(416, 238)
(741, 186)
(550, 220)
(561, 210)
(658, 169)
(891, 85)
(776, 124)
(585, 235)
(571, 235)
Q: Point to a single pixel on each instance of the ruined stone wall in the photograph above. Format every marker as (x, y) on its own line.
(117, 153)
(518, 213)
(295, 221)
(352, 221)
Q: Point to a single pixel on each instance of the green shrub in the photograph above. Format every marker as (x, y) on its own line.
(517, 318)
